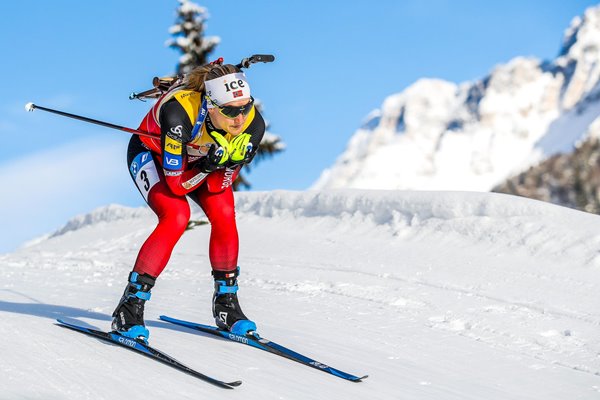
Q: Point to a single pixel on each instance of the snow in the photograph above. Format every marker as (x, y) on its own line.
(571, 127)
(435, 295)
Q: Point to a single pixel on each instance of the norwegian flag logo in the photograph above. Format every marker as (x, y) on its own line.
(237, 93)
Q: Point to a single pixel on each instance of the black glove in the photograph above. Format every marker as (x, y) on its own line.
(216, 159)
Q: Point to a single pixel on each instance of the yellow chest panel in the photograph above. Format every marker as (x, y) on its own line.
(199, 147)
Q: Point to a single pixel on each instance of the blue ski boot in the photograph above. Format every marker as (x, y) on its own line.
(226, 308)
(128, 317)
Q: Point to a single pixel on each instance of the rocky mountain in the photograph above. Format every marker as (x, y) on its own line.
(438, 135)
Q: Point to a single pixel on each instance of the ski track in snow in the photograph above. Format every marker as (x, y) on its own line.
(466, 295)
(470, 324)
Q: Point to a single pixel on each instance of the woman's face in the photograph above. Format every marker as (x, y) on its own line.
(231, 125)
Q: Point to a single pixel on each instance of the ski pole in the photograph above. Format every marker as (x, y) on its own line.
(30, 107)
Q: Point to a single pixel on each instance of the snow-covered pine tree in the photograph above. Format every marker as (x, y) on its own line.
(188, 36)
(188, 39)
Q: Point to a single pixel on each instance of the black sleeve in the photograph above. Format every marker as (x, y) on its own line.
(176, 132)
(175, 122)
(256, 129)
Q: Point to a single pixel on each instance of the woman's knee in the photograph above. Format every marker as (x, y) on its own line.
(222, 215)
(172, 212)
(219, 208)
(177, 219)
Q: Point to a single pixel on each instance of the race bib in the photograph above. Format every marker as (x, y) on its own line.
(144, 173)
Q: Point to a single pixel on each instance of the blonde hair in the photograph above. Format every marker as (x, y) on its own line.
(195, 79)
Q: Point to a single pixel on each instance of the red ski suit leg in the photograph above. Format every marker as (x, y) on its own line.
(173, 215)
(224, 241)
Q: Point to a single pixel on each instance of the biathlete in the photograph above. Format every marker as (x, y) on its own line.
(207, 129)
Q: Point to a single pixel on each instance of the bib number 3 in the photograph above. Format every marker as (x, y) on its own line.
(144, 173)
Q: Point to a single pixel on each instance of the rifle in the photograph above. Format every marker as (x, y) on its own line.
(161, 86)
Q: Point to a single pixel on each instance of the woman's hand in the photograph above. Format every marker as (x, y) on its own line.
(217, 156)
(240, 149)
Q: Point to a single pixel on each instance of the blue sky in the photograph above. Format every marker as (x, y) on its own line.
(336, 62)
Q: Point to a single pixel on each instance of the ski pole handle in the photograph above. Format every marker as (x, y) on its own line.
(31, 107)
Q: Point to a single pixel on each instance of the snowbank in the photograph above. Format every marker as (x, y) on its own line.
(435, 295)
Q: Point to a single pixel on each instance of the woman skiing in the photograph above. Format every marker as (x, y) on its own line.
(207, 129)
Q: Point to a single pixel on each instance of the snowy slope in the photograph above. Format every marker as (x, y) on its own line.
(434, 295)
(437, 135)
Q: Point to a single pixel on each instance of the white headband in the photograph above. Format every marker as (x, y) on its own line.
(225, 89)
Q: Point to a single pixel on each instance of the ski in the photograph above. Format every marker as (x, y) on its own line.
(140, 347)
(254, 340)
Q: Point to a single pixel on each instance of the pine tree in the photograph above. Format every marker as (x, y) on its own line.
(188, 39)
(188, 36)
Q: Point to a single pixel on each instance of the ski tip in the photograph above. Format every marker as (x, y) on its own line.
(360, 379)
(166, 318)
(64, 324)
(234, 384)
(29, 107)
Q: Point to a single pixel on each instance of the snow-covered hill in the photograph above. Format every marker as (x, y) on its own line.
(437, 135)
(434, 295)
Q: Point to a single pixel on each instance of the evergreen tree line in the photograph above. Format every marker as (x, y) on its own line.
(571, 180)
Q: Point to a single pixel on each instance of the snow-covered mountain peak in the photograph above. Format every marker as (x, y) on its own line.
(437, 135)
(579, 58)
(582, 34)
(415, 109)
